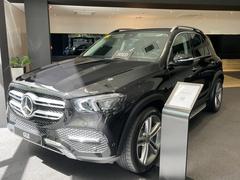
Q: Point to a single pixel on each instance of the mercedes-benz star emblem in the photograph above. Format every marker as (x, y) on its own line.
(27, 106)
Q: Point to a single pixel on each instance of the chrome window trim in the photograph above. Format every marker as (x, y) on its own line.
(193, 58)
(169, 53)
(185, 28)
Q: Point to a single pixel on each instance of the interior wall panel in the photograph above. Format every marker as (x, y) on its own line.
(209, 22)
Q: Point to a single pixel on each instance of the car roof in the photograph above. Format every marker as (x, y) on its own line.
(176, 29)
(147, 29)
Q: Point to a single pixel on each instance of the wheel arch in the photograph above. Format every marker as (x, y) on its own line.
(154, 100)
(218, 74)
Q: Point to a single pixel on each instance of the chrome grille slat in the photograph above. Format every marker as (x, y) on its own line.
(48, 114)
(42, 101)
(16, 94)
(15, 105)
(45, 106)
(49, 102)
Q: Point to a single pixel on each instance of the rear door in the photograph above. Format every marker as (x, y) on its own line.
(203, 68)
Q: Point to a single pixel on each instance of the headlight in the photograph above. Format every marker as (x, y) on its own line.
(99, 103)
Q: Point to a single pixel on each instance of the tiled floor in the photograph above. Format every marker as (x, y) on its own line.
(231, 64)
(231, 72)
(231, 81)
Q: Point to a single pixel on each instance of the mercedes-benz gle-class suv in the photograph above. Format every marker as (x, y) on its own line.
(105, 105)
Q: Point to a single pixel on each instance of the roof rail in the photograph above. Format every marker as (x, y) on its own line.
(122, 29)
(185, 27)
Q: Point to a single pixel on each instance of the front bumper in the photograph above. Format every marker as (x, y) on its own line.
(55, 125)
(79, 144)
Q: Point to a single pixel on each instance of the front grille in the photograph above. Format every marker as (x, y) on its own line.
(26, 126)
(46, 109)
(65, 133)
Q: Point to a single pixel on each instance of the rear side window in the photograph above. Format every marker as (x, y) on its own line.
(199, 45)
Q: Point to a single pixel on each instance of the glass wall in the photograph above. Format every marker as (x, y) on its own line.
(65, 46)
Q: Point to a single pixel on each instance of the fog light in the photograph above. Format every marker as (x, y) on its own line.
(52, 143)
(60, 147)
(85, 139)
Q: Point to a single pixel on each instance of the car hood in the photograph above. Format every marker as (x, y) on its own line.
(97, 74)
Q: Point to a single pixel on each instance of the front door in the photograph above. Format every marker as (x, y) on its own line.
(183, 65)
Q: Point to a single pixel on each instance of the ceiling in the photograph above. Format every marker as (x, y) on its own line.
(152, 4)
(64, 10)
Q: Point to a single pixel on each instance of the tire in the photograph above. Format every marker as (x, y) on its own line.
(215, 99)
(140, 145)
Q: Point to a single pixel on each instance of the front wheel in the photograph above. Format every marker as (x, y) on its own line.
(143, 143)
(215, 99)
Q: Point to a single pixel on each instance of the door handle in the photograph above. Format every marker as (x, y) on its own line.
(194, 69)
(213, 62)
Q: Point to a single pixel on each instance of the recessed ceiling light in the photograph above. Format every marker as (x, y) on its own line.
(84, 12)
(188, 15)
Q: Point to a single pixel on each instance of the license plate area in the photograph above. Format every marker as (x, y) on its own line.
(37, 139)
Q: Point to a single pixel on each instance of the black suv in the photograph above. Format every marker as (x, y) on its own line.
(105, 106)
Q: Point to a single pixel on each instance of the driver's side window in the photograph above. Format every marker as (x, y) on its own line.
(181, 48)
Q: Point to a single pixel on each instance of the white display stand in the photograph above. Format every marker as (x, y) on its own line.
(174, 133)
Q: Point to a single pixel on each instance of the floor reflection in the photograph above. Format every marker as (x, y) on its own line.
(90, 171)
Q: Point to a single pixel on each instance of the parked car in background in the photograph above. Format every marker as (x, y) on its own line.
(76, 50)
(105, 105)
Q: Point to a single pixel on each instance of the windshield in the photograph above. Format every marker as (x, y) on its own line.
(132, 45)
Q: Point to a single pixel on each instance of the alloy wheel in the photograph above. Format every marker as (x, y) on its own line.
(148, 143)
(218, 95)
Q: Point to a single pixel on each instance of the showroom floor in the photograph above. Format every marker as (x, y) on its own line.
(232, 73)
(213, 152)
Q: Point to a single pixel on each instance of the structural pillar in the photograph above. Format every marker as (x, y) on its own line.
(38, 32)
(5, 74)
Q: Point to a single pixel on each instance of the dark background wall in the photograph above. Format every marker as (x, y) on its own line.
(226, 46)
(58, 43)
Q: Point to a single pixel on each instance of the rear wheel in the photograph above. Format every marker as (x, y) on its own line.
(143, 143)
(215, 100)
